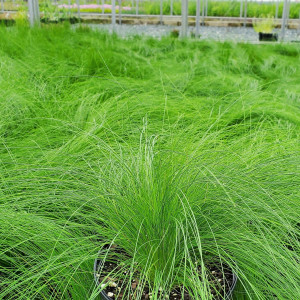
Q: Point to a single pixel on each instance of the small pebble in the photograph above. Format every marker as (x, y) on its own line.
(110, 294)
(112, 284)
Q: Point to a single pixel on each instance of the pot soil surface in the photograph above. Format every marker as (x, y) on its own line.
(221, 279)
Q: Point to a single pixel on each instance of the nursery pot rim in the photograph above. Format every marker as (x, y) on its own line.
(268, 36)
(104, 296)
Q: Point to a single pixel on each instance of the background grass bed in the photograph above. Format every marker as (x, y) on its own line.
(144, 142)
(214, 8)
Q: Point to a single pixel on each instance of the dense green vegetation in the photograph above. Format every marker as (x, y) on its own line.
(224, 8)
(171, 149)
(215, 8)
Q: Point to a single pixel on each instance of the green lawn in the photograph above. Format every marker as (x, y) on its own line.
(171, 149)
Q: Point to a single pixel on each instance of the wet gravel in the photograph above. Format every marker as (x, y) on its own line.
(236, 34)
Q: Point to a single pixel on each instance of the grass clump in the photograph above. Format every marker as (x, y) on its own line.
(174, 150)
(266, 25)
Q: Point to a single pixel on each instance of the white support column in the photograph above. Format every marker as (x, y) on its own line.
(206, 7)
(120, 11)
(184, 18)
(203, 12)
(37, 11)
(198, 8)
(171, 8)
(288, 9)
(102, 4)
(136, 7)
(161, 12)
(78, 9)
(2, 5)
(284, 19)
(69, 6)
(113, 14)
(298, 29)
(245, 13)
(31, 12)
(276, 11)
(34, 13)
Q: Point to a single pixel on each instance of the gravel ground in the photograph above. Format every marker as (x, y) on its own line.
(236, 34)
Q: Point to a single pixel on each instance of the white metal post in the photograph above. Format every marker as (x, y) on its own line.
(206, 8)
(34, 14)
(2, 5)
(102, 4)
(31, 12)
(136, 7)
(113, 14)
(78, 8)
(298, 29)
(171, 8)
(184, 18)
(245, 13)
(288, 10)
(198, 18)
(120, 11)
(69, 6)
(203, 10)
(37, 11)
(161, 12)
(284, 19)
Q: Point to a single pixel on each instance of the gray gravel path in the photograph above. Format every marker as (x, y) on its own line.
(237, 34)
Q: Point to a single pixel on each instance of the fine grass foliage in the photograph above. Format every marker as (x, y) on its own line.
(265, 24)
(177, 151)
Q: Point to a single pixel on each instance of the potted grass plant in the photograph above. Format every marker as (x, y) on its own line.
(264, 27)
(154, 234)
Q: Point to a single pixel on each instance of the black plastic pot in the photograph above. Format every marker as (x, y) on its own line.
(104, 296)
(72, 20)
(268, 37)
(97, 265)
(7, 22)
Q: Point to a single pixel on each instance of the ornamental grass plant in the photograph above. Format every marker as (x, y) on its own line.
(174, 150)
